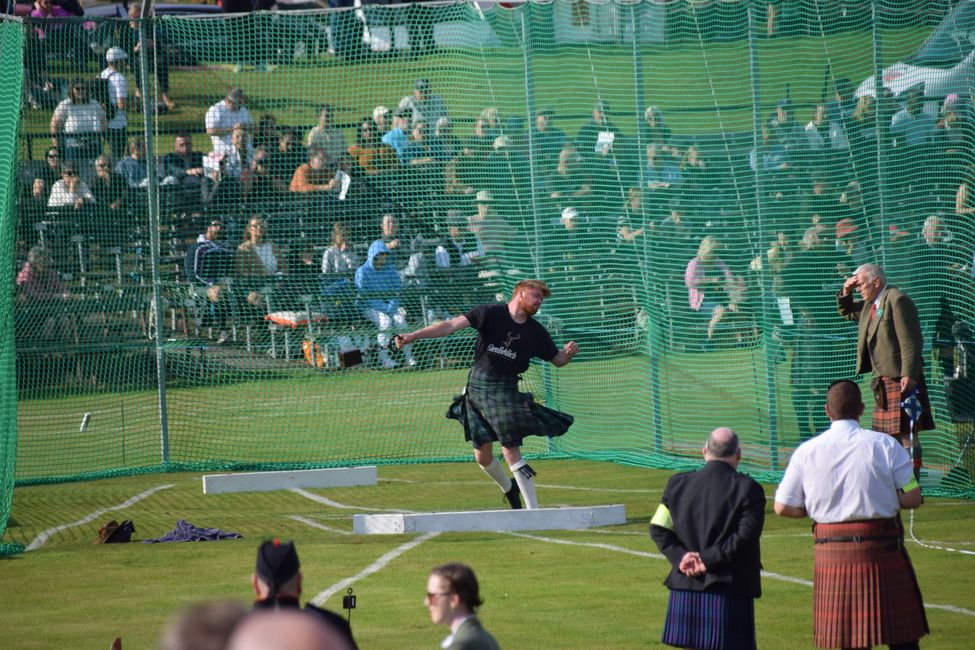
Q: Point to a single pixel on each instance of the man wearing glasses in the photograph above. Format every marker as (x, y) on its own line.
(452, 599)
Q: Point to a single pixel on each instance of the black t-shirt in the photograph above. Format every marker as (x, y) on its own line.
(504, 346)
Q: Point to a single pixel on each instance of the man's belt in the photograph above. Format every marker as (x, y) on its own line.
(857, 539)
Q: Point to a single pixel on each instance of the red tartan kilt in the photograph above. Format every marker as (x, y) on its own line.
(892, 419)
(865, 593)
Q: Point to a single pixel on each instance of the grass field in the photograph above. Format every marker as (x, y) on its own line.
(553, 589)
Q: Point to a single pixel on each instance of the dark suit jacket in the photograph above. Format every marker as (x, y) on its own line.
(471, 636)
(889, 344)
(719, 513)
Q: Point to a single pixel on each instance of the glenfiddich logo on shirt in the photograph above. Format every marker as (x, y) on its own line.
(503, 349)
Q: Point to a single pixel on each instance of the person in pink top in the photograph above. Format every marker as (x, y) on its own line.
(710, 284)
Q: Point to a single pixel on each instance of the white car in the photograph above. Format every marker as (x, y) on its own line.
(942, 66)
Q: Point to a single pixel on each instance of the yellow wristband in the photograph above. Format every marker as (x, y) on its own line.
(912, 485)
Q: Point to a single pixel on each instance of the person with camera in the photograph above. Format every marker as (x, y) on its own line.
(708, 526)
(889, 343)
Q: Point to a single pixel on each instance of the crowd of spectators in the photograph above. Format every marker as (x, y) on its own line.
(708, 229)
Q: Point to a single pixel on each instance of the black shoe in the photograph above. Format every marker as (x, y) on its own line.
(514, 496)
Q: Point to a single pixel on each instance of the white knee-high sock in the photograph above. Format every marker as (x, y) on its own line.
(523, 474)
(497, 473)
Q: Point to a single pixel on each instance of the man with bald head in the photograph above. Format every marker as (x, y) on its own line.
(853, 483)
(286, 629)
(708, 525)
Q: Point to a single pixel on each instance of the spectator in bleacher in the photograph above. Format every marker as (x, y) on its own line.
(78, 124)
(222, 186)
(70, 191)
(710, 285)
(182, 169)
(381, 119)
(547, 140)
(661, 173)
(327, 137)
(422, 105)
(316, 175)
(965, 194)
(839, 111)
(487, 228)
(223, 116)
(133, 167)
(911, 126)
(487, 128)
(62, 37)
(653, 130)
(785, 129)
(256, 256)
(597, 130)
(460, 247)
(110, 192)
(210, 261)
(571, 184)
(285, 158)
(396, 137)
(462, 175)
(444, 145)
(634, 224)
(40, 285)
(118, 96)
(452, 599)
(369, 153)
(340, 257)
(42, 178)
(256, 263)
(379, 285)
(417, 151)
(954, 128)
(266, 131)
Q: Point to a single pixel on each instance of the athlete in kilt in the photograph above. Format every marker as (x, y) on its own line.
(853, 483)
(491, 407)
(889, 343)
(708, 525)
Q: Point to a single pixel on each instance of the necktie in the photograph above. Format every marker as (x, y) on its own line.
(873, 310)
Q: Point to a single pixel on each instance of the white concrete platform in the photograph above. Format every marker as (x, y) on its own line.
(489, 520)
(285, 480)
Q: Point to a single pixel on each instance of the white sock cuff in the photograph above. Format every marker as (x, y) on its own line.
(521, 463)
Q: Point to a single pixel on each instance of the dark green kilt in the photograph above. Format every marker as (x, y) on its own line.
(492, 408)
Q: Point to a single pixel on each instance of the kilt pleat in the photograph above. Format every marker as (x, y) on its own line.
(492, 408)
(890, 418)
(709, 620)
(865, 593)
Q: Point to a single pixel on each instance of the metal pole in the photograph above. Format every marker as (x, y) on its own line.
(767, 297)
(532, 111)
(148, 106)
(876, 230)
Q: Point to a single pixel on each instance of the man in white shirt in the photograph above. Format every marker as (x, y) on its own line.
(853, 482)
(118, 95)
(222, 117)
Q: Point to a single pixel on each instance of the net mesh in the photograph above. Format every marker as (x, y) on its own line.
(694, 180)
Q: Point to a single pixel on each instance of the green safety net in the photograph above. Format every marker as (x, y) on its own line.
(694, 181)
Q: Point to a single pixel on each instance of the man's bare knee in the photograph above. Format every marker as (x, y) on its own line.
(511, 454)
(484, 454)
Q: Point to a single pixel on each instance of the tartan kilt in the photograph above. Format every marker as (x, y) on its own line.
(492, 408)
(889, 417)
(865, 592)
(709, 620)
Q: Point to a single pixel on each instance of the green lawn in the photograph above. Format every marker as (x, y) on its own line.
(551, 589)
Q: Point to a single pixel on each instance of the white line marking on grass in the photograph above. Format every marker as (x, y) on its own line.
(765, 574)
(607, 547)
(314, 524)
(342, 506)
(551, 486)
(41, 539)
(378, 565)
